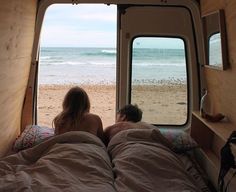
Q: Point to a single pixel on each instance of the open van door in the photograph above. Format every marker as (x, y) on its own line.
(177, 20)
(159, 25)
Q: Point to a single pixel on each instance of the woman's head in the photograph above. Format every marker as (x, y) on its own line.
(76, 102)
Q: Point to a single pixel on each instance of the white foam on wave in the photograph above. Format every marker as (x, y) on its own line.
(160, 64)
(111, 51)
(78, 63)
(45, 57)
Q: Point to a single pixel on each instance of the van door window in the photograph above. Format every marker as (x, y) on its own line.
(159, 79)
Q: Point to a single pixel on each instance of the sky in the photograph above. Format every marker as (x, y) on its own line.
(79, 26)
(89, 25)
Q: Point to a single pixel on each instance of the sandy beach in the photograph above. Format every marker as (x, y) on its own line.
(160, 103)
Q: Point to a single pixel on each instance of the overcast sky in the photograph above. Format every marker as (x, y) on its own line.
(79, 26)
(88, 25)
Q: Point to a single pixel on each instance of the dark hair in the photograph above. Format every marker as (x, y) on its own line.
(132, 112)
(75, 104)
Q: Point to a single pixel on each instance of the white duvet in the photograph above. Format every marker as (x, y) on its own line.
(75, 161)
(79, 161)
(143, 164)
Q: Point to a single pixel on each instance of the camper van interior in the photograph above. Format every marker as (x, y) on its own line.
(174, 59)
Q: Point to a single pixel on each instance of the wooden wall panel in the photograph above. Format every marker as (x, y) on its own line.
(208, 6)
(221, 84)
(16, 28)
(17, 22)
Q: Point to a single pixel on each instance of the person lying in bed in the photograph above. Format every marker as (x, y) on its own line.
(75, 115)
(129, 117)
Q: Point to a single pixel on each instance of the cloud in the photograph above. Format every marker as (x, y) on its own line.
(67, 37)
(82, 25)
(81, 12)
(99, 17)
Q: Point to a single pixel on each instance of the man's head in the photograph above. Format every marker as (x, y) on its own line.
(129, 113)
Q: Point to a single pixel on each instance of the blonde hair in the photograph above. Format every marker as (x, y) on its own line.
(76, 103)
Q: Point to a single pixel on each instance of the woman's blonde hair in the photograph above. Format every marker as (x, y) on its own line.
(76, 103)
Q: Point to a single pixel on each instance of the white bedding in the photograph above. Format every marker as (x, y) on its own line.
(143, 164)
(78, 161)
(74, 161)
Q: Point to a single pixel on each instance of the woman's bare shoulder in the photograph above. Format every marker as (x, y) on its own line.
(92, 117)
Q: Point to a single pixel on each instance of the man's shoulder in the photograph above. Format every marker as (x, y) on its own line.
(145, 125)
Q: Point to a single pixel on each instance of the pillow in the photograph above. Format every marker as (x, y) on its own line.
(181, 140)
(31, 136)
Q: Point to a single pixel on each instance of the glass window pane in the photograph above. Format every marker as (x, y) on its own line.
(215, 55)
(158, 79)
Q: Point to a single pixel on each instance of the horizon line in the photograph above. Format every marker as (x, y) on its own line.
(104, 47)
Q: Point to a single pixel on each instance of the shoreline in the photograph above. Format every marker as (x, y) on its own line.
(136, 82)
(160, 103)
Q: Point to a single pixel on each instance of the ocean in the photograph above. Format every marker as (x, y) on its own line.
(67, 65)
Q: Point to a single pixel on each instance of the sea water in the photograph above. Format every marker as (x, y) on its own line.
(67, 65)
